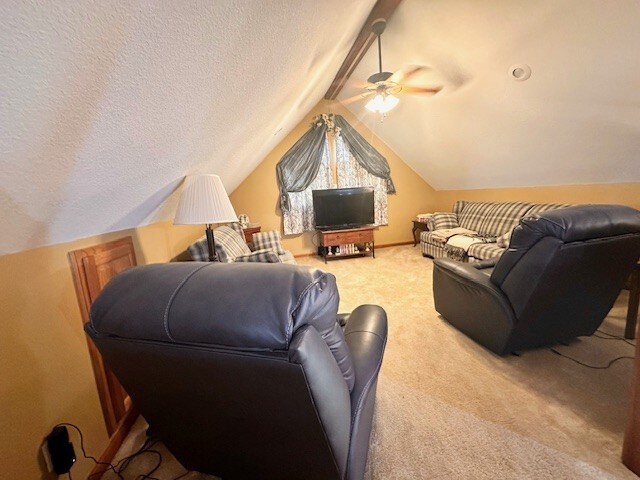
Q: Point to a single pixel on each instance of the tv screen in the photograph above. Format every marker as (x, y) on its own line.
(338, 208)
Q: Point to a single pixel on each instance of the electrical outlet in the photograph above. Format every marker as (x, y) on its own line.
(60, 455)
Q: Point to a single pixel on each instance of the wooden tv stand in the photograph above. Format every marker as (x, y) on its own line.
(358, 236)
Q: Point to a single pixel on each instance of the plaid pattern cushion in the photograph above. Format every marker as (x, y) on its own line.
(503, 240)
(444, 220)
(503, 217)
(484, 251)
(432, 250)
(263, 240)
(544, 207)
(229, 244)
(236, 228)
(287, 257)
(431, 239)
(262, 256)
(458, 206)
(199, 250)
(472, 214)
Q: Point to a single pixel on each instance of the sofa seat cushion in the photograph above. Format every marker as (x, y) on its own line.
(503, 217)
(432, 238)
(484, 251)
(287, 257)
(265, 255)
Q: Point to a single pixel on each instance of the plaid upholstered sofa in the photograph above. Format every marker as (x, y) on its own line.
(493, 222)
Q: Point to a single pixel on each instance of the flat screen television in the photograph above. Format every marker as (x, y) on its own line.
(339, 208)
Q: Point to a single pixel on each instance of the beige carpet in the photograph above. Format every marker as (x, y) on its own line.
(447, 408)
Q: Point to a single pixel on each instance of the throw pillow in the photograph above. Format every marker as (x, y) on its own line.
(229, 244)
(199, 250)
(503, 240)
(443, 220)
(237, 228)
(272, 240)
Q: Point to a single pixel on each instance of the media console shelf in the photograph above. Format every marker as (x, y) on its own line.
(361, 237)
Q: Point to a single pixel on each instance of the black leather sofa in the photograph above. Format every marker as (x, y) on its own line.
(243, 370)
(558, 279)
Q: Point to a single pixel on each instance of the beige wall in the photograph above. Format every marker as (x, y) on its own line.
(257, 195)
(621, 193)
(45, 371)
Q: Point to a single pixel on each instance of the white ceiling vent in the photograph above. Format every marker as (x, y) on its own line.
(520, 72)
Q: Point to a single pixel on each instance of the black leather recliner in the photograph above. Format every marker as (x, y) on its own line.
(243, 370)
(558, 279)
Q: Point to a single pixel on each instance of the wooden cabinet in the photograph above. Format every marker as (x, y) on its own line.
(362, 238)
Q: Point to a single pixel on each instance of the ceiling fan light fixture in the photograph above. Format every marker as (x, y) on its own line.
(382, 103)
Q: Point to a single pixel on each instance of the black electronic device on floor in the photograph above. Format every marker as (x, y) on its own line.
(60, 449)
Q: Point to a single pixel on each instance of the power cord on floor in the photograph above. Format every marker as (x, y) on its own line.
(596, 367)
(84, 452)
(611, 336)
(123, 463)
(144, 449)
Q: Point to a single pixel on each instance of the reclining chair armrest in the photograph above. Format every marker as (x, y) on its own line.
(488, 263)
(466, 272)
(366, 336)
(468, 299)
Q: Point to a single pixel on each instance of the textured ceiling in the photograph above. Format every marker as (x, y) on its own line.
(106, 105)
(575, 121)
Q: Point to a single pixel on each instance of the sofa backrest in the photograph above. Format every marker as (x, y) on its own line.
(567, 266)
(545, 207)
(497, 218)
(490, 218)
(228, 358)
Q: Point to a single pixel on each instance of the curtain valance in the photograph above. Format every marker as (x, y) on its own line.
(299, 166)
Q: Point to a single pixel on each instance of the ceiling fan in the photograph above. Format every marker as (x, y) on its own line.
(382, 87)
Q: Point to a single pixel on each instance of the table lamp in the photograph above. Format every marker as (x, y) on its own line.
(204, 201)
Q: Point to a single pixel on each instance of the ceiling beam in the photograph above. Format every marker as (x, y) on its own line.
(382, 9)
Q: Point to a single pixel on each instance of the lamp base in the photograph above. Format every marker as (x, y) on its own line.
(213, 257)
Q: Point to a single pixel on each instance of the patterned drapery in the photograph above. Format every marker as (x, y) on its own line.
(307, 167)
(351, 174)
(299, 217)
(364, 153)
(299, 166)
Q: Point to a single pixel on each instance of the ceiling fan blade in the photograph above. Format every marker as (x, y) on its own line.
(406, 72)
(420, 90)
(355, 98)
(362, 85)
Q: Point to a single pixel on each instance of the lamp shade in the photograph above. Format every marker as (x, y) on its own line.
(204, 200)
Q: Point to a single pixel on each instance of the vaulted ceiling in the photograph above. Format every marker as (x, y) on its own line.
(105, 106)
(576, 120)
